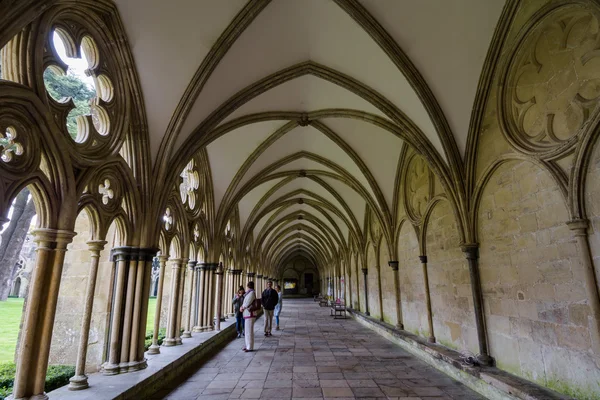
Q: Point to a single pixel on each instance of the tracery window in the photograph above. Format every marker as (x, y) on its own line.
(190, 183)
(9, 145)
(75, 79)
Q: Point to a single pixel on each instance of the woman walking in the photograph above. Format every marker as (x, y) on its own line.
(249, 317)
(278, 307)
(237, 301)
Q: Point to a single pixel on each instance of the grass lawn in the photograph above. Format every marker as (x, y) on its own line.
(10, 315)
(151, 311)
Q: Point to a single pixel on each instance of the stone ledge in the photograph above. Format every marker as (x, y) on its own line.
(171, 365)
(490, 382)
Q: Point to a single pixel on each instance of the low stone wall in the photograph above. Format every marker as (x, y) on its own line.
(490, 382)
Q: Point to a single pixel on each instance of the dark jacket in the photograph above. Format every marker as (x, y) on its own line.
(270, 298)
(237, 303)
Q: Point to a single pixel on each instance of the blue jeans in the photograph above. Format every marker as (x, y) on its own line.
(239, 323)
(277, 320)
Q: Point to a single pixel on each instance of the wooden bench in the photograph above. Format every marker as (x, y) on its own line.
(338, 309)
(323, 302)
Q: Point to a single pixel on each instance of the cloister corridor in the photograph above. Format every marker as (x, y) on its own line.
(315, 356)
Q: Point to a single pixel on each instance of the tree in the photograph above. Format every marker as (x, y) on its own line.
(13, 238)
(63, 86)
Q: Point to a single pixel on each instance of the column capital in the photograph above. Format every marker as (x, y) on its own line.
(53, 238)
(162, 258)
(250, 274)
(394, 265)
(423, 259)
(176, 263)
(122, 253)
(236, 271)
(96, 246)
(258, 276)
(365, 271)
(471, 250)
(192, 264)
(147, 253)
(579, 226)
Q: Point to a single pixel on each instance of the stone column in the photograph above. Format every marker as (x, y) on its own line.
(472, 254)
(170, 339)
(592, 284)
(80, 380)
(379, 293)
(40, 310)
(137, 359)
(182, 273)
(258, 284)
(423, 260)
(212, 312)
(120, 257)
(365, 272)
(200, 303)
(155, 348)
(187, 333)
(394, 265)
(206, 298)
(128, 312)
(219, 273)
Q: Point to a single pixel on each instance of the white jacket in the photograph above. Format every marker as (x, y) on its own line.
(248, 300)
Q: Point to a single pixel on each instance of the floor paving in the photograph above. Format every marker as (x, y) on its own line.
(315, 356)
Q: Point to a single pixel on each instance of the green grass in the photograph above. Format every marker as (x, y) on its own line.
(10, 315)
(151, 312)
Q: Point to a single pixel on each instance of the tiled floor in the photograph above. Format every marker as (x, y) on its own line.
(315, 356)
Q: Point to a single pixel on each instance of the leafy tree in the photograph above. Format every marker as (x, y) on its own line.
(70, 85)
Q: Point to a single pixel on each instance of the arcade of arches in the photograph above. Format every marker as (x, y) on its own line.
(434, 164)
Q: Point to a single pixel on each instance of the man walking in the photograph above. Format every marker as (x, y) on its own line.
(270, 298)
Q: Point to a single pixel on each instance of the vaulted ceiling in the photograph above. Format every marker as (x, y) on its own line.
(304, 106)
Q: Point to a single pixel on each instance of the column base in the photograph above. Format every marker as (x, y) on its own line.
(169, 342)
(110, 369)
(136, 366)
(154, 349)
(198, 329)
(431, 339)
(78, 382)
(42, 396)
(400, 326)
(186, 335)
(367, 313)
(230, 315)
(485, 360)
(178, 341)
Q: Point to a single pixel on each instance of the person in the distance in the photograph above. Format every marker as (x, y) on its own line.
(270, 298)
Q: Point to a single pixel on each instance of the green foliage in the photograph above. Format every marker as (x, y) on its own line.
(69, 85)
(56, 376)
(11, 311)
(162, 332)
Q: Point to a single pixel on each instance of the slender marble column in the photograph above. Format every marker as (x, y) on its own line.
(80, 380)
(365, 272)
(219, 273)
(423, 260)
(394, 266)
(187, 333)
(472, 254)
(128, 314)
(120, 257)
(145, 258)
(182, 273)
(173, 302)
(206, 298)
(155, 348)
(592, 282)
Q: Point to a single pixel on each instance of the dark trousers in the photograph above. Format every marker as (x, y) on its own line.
(239, 323)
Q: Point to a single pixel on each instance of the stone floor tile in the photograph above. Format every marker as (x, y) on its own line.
(277, 384)
(361, 383)
(333, 383)
(306, 392)
(255, 384)
(337, 392)
(305, 384)
(222, 384)
(428, 391)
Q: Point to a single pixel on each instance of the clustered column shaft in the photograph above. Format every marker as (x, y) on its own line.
(423, 260)
(40, 309)
(395, 268)
(187, 333)
(131, 284)
(171, 337)
(155, 348)
(365, 272)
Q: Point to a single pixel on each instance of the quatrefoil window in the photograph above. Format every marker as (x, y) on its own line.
(79, 83)
(190, 183)
(9, 146)
(168, 219)
(106, 192)
(556, 80)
